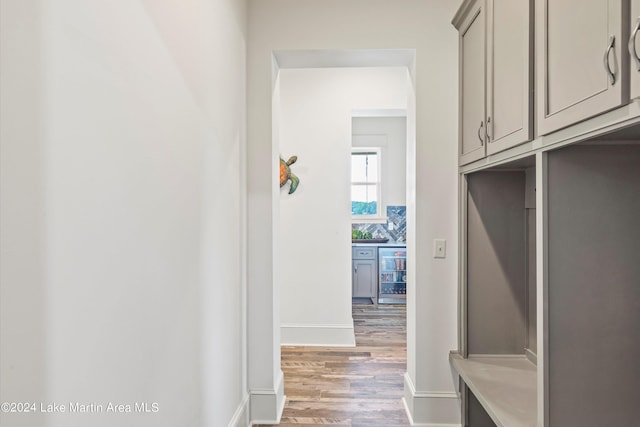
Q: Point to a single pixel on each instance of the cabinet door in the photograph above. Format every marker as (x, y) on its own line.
(580, 61)
(364, 277)
(472, 89)
(634, 49)
(509, 79)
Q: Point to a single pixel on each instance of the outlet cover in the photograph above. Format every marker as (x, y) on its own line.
(439, 248)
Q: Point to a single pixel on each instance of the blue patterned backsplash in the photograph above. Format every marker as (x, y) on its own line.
(395, 214)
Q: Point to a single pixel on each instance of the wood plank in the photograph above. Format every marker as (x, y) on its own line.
(350, 387)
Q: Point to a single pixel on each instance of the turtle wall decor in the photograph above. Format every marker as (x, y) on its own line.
(287, 175)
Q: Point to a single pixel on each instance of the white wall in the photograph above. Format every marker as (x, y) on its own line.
(315, 222)
(432, 158)
(389, 133)
(22, 223)
(123, 144)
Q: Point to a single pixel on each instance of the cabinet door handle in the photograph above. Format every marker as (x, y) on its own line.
(480, 136)
(607, 63)
(488, 127)
(356, 267)
(632, 44)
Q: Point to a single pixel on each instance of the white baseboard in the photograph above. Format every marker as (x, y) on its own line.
(241, 416)
(317, 335)
(267, 405)
(431, 409)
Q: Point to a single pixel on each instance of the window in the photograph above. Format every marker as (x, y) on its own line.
(365, 183)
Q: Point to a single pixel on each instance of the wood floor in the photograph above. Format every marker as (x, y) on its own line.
(350, 387)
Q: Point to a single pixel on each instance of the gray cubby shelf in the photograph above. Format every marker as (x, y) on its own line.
(499, 316)
(497, 363)
(505, 386)
(592, 291)
(550, 288)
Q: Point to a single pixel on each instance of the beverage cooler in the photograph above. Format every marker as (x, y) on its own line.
(392, 275)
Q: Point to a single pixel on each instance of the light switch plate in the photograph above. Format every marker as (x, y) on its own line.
(439, 248)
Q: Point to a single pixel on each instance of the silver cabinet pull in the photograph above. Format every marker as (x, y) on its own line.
(632, 44)
(356, 267)
(479, 135)
(607, 63)
(488, 127)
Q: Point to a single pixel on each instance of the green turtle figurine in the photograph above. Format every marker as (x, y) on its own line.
(286, 174)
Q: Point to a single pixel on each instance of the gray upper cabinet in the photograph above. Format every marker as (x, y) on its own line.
(472, 79)
(634, 49)
(509, 79)
(580, 62)
(495, 78)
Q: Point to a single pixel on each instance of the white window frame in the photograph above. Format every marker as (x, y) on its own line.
(378, 217)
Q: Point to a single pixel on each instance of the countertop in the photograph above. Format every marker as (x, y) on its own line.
(388, 244)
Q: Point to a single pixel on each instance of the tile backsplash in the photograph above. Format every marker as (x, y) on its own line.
(395, 214)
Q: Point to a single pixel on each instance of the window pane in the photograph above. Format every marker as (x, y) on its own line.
(358, 168)
(364, 200)
(372, 169)
(364, 167)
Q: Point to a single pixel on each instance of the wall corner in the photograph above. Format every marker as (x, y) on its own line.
(431, 409)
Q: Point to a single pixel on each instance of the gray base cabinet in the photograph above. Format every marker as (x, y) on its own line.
(364, 273)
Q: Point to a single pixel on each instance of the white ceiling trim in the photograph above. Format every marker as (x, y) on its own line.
(350, 58)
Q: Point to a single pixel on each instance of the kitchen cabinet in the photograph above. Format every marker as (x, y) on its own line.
(364, 273)
(495, 80)
(633, 47)
(581, 70)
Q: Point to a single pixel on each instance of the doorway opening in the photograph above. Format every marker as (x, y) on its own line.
(316, 112)
(378, 207)
(323, 103)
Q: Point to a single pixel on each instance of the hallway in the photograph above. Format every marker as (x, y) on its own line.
(140, 210)
(350, 387)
